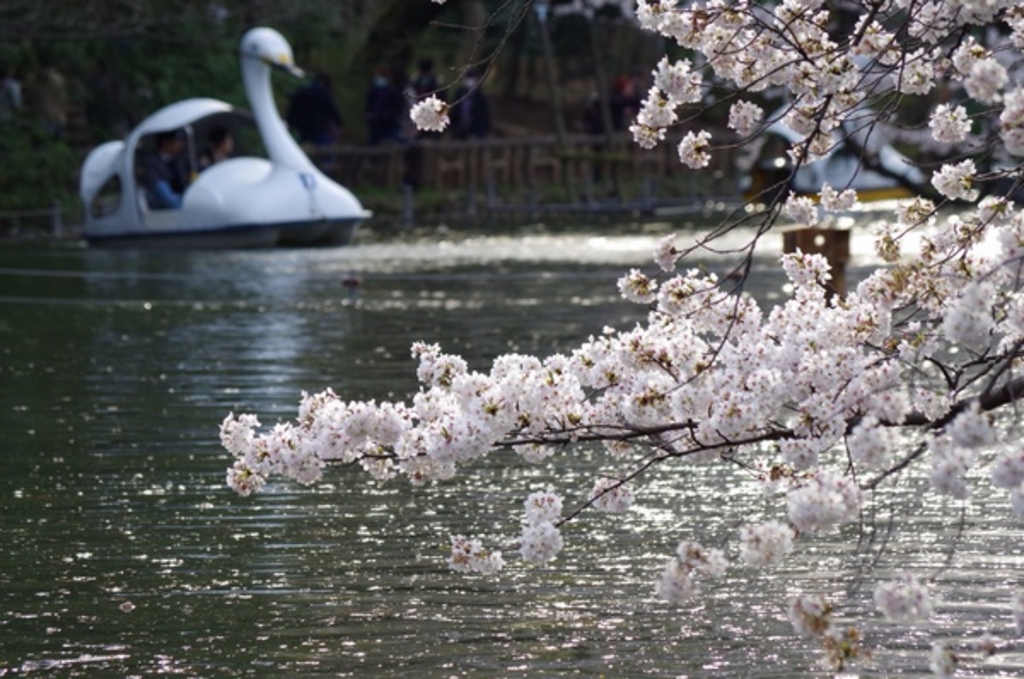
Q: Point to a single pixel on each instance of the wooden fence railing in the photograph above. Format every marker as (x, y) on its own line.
(41, 220)
(536, 163)
(500, 174)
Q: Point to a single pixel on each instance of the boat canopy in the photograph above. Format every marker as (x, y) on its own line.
(98, 166)
(181, 114)
(185, 115)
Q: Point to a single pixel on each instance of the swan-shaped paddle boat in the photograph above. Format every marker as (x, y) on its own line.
(883, 173)
(283, 199)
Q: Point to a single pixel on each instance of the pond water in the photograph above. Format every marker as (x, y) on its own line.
(124, 555)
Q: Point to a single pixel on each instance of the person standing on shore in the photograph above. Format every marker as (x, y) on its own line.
(313, 113)
(471, 112)
(10, 94)
(385, 108)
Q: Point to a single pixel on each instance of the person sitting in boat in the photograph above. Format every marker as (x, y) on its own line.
(220, 144)
(164, 176)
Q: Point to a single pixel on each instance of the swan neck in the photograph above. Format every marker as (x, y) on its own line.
(281, 147)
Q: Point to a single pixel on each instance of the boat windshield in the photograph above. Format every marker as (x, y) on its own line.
(208, 140)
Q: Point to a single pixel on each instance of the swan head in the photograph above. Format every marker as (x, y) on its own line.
(269, 47)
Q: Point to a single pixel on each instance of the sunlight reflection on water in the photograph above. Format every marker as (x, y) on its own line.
(125, 555)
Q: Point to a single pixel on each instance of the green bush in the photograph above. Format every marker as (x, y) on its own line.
(38, 170)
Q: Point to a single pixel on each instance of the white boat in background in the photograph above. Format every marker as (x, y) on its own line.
(239, 202)
(881, 173)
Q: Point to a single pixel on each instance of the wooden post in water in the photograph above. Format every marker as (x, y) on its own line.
(832, 244)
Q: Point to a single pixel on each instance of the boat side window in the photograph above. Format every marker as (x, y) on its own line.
(163, 170)
(108, 198)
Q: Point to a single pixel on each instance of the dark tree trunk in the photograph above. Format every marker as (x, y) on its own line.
(390, 40)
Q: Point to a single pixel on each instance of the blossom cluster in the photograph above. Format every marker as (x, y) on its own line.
(904, 599)
(812, 354)
(942, 662)
(810, 615)
(826, 500)
(1011, 121)
(541, 540)
(949, 123)
(830, 78)
(612, 496)
(430, 114)
(470, 556)
(679, 580)
(955, 452)
(957, 181)
(766, 544)
(1008, 472)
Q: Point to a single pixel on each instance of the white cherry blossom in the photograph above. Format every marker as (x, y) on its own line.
(904, 599)
(766, 544)
(956, 181)
(678, 81)
(430, 114)
(949, 123)
(694, 149)
(540, 542)
(745, 116)
(1011, 122)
